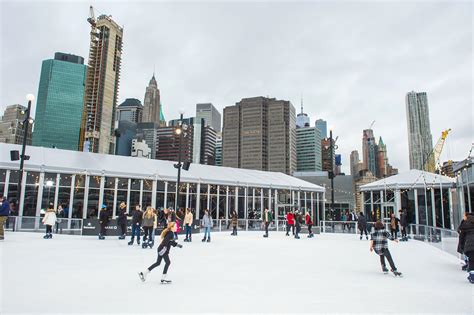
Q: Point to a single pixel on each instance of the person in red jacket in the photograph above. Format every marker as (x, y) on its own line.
(290, 223)
(309, 223)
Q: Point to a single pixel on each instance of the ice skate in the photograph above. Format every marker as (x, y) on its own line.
(384, 270)
(397, 273)
(144, 245)
(46, 236)
(203, 240)
(142, 275)
(265, 235)
(471, 277)
(131, 241)
(121, 237)
(150, 244)
(208, 239)
(164, 279)
(366, 237)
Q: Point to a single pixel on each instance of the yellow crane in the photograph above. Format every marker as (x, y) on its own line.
(433, 158)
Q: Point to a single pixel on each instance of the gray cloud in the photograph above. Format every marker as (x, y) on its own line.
(353, 61)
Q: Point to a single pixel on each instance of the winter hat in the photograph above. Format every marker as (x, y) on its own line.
(104, 206)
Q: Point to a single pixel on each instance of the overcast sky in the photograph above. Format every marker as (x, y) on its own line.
(353, 62)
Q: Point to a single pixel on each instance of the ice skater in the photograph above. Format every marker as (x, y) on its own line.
(4, 213)
(461, 241)
(137, 217)
(149, 225)
(103, 220)
(394, 226)
(234, 222)
(207, 225)
(49, 220)
(466, 240)
(404, 224)
(188, 222)
(167, 240)
(309, 224)
(267, 219)
(362, 225)
(122, 220)
(290, 223)
(298, 221)
(379, 244)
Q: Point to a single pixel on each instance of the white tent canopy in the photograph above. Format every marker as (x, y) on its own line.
(74, 162)
(411, 180)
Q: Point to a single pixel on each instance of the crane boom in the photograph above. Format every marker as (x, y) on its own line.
(433, 157)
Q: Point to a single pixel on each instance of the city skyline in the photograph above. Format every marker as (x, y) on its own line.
(386, 58)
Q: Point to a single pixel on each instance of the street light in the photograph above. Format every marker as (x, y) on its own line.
(26, 122)
(179, 131)
(331, 171)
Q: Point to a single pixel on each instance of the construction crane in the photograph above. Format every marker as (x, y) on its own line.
(433, 158)
(91, 19)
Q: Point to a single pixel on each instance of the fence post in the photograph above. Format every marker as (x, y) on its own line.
(246, 225)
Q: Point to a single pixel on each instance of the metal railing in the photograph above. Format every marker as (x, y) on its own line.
(444, 239)
(35, 224)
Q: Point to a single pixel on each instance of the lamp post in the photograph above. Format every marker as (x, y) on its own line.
(179, 131)
(331, 172)
(26, 122)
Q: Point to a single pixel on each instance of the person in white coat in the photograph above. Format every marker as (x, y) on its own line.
(49, 220)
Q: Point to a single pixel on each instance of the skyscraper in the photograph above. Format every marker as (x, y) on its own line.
(259, 133)
(131, 109)
(148, 131)
(11, 130)
(211, 115)
(308, 149)
(354, 162)
(302, 119)
(102, 84)
(322, 125)
(420, 141)
(168, 147)
(369, 151)
(219, 150)
(204, 143)
(60, 102)
(152, 109)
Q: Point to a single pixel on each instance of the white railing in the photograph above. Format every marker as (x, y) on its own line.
(35, 224)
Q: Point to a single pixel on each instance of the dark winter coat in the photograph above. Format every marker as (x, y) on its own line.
(466, 237)
(104, 217)
(5, 209)
(122, 216)
(404, 219)
(137, 217)
(395, 223)
(167, 241)
(362, 222)
(298, 219)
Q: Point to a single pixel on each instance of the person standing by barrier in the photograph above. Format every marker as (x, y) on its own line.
(122, 220)
(379, 244)
(49, 220)
(137, 217)
(234, 222)
(4, 213)
(104, 217)
(394, 226)
(267, 219)
(149, 225)
(404, 224)
(207, 225)
(298, 221)
(362, 225)
(167, 240)
(290, 223)
(309, 223)
(466, 240)
(188, 223)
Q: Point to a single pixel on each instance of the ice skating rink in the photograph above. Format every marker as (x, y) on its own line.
(243, 274)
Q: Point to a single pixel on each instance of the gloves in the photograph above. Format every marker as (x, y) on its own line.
(179, 245)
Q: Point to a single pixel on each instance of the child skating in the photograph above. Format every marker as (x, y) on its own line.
(379, 244)
(167, 240)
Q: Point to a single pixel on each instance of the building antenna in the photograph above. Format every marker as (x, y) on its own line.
(301, 103)
(153, 70)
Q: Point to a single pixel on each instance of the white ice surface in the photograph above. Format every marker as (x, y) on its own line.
(247, 273)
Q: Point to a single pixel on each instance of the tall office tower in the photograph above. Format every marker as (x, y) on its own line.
(167, 147)
(338, 168)
(308, 149)
(126, 132)
(369, 151)
(148, 132)
(102, 85)
(11, 130)
(322, 125)
(354, 162)
(382, 160)
(302, 119)
(420, 141)
(152, 109)
(131, 110)
(326, 155)
(259, 133)
(211, 115)
(219, 150)
(204, 143)
(60, 102)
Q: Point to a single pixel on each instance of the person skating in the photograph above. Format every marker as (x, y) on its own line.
(103, 220)
(4, 213)
(49, 220)
(362, 225)
(267, 219)
(234, 222)
(122, 220)
(309, 224)
(137, 217)
(466, 239)
(298, 221)
(394, 226)
(379, 244)
(404, 224)
(460, 241)
(188, 222)
(149, 225)
(167, 240)
(290, 223)
(207, 225)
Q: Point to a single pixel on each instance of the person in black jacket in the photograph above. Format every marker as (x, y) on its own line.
(459, 249)
(167, 240)
(137, 217)
(362, 225)
(298, 221)
(404, 224)
(122, 220)
(466, 240)
(103, 220)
